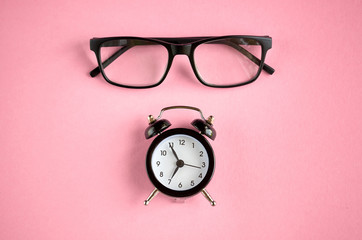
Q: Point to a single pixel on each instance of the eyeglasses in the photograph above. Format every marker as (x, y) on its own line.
(227, 61)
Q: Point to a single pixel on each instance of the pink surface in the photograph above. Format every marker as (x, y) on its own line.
(288, 150)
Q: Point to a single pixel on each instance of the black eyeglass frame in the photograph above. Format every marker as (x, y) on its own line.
(185, 46)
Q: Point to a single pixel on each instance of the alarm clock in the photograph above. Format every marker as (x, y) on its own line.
(180, 162)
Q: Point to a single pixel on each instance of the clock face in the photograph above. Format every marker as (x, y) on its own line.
(180, 162)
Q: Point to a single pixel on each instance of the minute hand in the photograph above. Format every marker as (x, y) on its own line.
(174, 153)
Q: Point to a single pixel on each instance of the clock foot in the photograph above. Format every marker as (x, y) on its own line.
(208, 197)
(152, 195)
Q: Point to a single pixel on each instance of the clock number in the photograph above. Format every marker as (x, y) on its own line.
(193, 145)
(200, 176)
(182, 142)
(201, 153)
(169, 181)
(161, 174)
(158, 163)
(163, 152)
(170, 144)
(192, 183)
(180, 185)
(203, 164)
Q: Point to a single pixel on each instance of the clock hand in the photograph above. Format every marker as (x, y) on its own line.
(191, 165)
(174, 174)
(174, 153)
(179, 163)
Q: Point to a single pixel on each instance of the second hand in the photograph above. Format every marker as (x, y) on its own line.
(191, 165)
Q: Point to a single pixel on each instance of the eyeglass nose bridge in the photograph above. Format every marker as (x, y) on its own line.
(181, 49)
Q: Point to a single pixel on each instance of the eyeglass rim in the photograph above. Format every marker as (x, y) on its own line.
(167, 42)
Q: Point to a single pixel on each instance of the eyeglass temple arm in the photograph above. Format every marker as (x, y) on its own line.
(252, 58)
(242, 50)
(109, 60)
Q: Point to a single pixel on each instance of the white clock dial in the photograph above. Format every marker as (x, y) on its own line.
(180, 162)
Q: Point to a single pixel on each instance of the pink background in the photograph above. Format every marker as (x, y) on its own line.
(288, 149)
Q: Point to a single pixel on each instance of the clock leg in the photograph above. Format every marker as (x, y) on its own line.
(152, 195)
(208, 197)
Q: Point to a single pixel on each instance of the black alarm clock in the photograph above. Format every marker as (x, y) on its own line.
(180, 162)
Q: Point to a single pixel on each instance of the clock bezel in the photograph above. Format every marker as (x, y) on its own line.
(204, 182)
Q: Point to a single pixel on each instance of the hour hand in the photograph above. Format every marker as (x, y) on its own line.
(173, 174)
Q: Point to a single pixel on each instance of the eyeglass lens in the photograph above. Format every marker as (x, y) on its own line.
(137, 65)
(226, 62)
